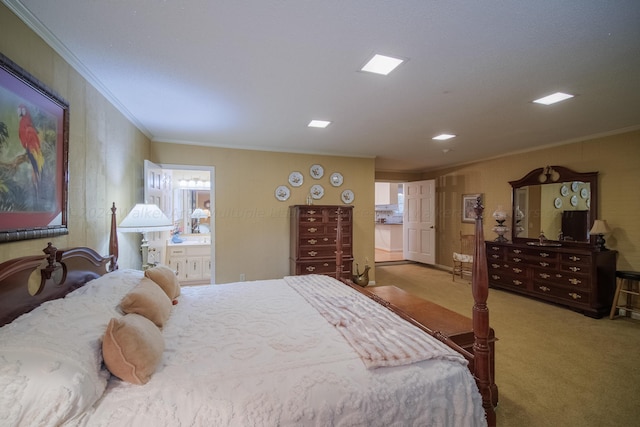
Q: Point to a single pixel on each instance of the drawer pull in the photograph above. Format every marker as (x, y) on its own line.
(544, 288)
(544, 264)
(559, 276)
(544, 275)
(495, 265)
(517, 282)
(313, 253)
(517, 251)
(575, 296)
(312, 230)
(517, 270)
(311, 219)
(517, 259)
(310, 268)
(495, 248)
(326, 239)
(326, 264)
(544, 254)
(495, 277)
(495, 256)
(575, 281)
(311, 212)
(574, 258)
(312, 241)
(574, 269)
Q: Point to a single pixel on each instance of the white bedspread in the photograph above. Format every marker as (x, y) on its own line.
(256, 354)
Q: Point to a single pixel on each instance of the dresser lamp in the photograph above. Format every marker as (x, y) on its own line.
(144, 218)
(500, 229)
(599, 229)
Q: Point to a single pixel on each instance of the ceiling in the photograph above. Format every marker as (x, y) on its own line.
(252, 73)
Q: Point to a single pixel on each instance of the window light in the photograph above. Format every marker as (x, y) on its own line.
(443, 137)
(318, 124)
(381, 64)
(553, 98)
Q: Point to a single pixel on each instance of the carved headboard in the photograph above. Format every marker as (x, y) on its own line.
(75, 267)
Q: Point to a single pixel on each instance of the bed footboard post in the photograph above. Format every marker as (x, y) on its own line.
(339, 245)
(480, 289)
(113, 240)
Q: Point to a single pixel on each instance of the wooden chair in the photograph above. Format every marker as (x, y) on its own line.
(463, 260)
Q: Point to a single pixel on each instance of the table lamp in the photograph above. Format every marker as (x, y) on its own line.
(198, 214)
(142, 219)
(600, 227)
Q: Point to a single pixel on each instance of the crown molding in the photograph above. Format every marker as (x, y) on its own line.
(41, 30)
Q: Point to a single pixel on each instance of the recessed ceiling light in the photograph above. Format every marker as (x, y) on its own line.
(443, 137)
(381, 64)
(553, 98)
(318, 124)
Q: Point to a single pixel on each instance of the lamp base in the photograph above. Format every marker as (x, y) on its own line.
(600, 243)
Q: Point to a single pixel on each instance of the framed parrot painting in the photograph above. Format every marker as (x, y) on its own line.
(34, 144)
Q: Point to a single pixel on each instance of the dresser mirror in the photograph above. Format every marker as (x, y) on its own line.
(557, 202)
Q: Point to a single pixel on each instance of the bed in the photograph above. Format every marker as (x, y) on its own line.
(301, 350)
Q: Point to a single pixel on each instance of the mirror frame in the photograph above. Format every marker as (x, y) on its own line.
(555, 175)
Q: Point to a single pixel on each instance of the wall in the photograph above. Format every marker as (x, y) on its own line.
(251, 225)
(105, 150)
(614, 157)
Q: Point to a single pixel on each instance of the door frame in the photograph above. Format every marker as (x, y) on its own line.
(212, 223)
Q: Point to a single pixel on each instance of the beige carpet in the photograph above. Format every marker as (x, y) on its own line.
(554, 367)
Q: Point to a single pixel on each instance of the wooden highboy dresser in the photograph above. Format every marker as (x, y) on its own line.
(313, 239)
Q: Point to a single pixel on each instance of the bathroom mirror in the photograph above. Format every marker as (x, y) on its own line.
(185, 203)
(556, 201)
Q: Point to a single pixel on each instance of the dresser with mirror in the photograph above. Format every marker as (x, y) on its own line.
(552, 256)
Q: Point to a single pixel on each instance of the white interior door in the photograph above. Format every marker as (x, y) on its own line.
(419, 236)
(157, 190)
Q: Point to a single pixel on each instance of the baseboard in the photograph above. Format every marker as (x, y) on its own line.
(634, 315)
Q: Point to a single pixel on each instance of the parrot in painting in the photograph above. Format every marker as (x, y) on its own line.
(31, 142)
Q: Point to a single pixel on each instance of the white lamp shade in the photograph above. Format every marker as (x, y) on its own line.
(199, 213)
(600, 226)
(143, 218)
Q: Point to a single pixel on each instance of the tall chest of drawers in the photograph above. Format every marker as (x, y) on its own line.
(580, 278)
(313, 239)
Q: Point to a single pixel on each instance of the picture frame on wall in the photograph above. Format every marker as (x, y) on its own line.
(468, 204)
(34, 157)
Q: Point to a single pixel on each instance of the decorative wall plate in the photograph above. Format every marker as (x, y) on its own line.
(316, 171)
(557, 203)
(347, 196)
(296, 179)
(283, 193)
(574, 186)
(564, 190)
(336, 179)
(584, 193)
(574, 200)
(317, 191)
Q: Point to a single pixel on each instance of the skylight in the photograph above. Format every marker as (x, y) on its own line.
(318, 124)
(381, 64)
(553, 98)
(443, 137)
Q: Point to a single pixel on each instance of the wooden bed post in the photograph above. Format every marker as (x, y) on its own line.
(480, 290)
(339, 245)
(113, 240)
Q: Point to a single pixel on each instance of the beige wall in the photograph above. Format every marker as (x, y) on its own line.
(252, 226)
(105, 150)
(614, 157)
